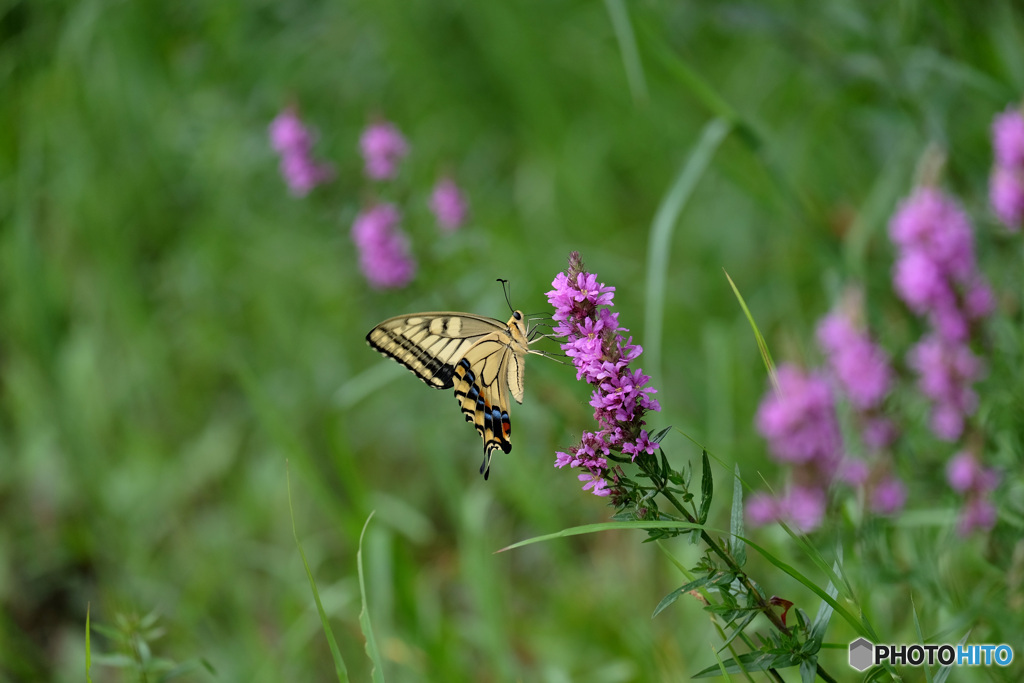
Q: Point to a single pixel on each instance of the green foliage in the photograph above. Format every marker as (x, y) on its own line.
(176, 327)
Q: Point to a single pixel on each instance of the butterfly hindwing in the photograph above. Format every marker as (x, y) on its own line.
(481, 358)
(481, 388)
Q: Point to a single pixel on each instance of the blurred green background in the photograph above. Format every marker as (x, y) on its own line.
(176, 327)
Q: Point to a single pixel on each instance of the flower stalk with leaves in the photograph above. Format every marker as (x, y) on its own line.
(621, 399)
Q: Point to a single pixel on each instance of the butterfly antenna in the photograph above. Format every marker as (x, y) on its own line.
(506, 287)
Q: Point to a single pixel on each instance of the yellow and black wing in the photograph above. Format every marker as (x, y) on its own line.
(481, 358)
(482, 388)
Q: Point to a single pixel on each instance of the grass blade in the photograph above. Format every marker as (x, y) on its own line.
(736, 528)
(627, 47)
(603, 526)
(662, 228)
(364, 614)
(339, 663)
(762, 346)
(88, 647)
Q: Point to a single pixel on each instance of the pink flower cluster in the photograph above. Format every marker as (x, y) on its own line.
(1006, 185)
(601, 357)
(937, 277)
(799, 423)
(294, 143)
(946, 373)
(863, 375)
(936, 272)
(384, 255)
(448, 205)
(860, 366)
(383, 147)
(967, 477)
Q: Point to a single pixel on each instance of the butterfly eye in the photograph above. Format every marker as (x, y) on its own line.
(517, 315)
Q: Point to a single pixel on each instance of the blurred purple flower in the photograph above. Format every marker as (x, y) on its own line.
(290, 138)
(602, 358)
(969, 478)
(799, 422)
(977, 513)
(302, 174)
(804, 507)
(919, 282)
(932, 224)
(1006, 184)
(761, 508)
(853, 472)
(448, 205)
(878, 431)
(964, 473)
(1008, 137)
(384, 255)
(887, 496)
(946, 371)
(383, 147)
(1006, 195)
(936, 274)
(861, 367)
(287, 134)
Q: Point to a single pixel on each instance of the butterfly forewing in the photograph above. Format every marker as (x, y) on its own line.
(430, 344)
(481, 358)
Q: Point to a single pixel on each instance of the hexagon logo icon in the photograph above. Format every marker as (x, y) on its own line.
(861, 654)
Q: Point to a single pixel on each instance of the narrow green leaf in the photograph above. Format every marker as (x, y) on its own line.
(603, 526)
(859, 626)
(674, 595)
(920, 636)
(627, 48)
(738, 629)
(808, 670)
(762, 345)
(707, 488)
(945, 671)
(751, 661)
(660, 240)
(659, 435)
(339, 663)
(364, 614)
(88, 648)
(689, 78)
(824, 615)
(736, 547)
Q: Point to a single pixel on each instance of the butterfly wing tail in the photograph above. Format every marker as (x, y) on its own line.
(482, 405)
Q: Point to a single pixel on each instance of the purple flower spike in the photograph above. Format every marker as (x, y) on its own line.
(448, 205)
(967, 477)
(287, 134)
(1006, 194)
(799, 421)
(946, 372)
(384, 255)
(861, 366)
(1008, 138)
(294, 143)
(383, 147)
(602, 358)
(1006, 184)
